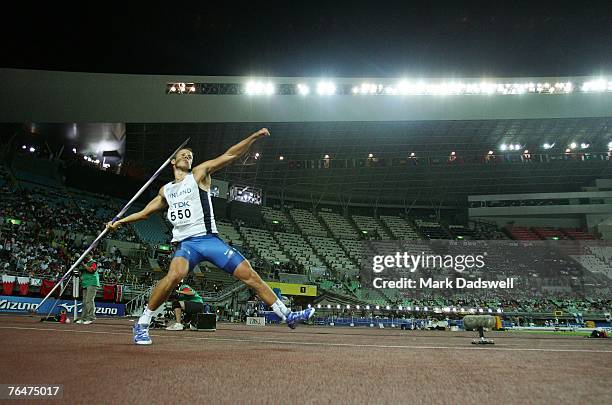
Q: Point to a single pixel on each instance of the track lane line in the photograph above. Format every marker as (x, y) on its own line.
(323, 344)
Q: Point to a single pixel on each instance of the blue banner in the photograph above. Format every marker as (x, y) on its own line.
(17, 304)
(270, 316)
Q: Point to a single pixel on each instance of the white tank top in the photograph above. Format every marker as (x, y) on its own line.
(189, 209)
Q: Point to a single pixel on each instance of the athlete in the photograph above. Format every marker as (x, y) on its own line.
(189, 206)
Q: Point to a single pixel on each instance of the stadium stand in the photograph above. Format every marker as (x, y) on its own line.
(212, 279)
(549, 233)
(431, 229)
(333, 254)
(373, 296)
(338, 225)
(152, 230)
(461, 231)
(328, 247)
(487, 231)
(307, 223)
(301, 252)
(371, 226)
(542, 233)
(354, 249)
(603, 253)
(400, 228)
(4, 177)
(578, 234)
(594, 264)
(228, 233)
(275, 218)
(521, 233)
(293, 278)
(264, 245)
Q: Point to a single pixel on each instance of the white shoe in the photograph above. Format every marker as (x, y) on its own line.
(191, 327)
(175, 326)
(79, 321)
(87, 322)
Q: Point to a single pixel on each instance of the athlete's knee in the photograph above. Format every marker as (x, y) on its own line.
(179, 268)
(243, 270)
(176, 275)
(246, 274)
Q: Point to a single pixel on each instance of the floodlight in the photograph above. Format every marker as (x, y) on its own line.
(303, 89)
(325, 88)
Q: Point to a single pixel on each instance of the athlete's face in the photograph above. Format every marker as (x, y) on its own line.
(183, 159)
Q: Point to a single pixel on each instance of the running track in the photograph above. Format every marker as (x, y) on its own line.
(237, 364)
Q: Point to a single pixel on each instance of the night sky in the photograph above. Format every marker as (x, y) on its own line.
(382, 39)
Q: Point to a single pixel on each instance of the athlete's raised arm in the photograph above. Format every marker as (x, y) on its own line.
(156, 204)
(210, 166)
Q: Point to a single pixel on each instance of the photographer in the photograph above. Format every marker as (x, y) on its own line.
(90, 281)
(187, 300)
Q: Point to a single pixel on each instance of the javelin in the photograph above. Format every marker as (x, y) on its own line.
(119, 215)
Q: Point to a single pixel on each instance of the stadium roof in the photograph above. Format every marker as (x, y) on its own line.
(42, 96)
(348, 127)
(392, 176)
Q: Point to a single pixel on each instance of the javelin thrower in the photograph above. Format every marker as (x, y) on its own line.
(189, 209)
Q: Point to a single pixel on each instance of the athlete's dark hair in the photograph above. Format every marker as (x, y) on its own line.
(189, 149)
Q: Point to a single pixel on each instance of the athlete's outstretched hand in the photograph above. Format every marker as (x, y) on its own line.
(263, 132)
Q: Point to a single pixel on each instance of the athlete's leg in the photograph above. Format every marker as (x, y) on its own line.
(234, 263)
(184, 260)
(245, 273)
(179, 267)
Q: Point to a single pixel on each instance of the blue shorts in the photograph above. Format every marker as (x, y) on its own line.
(210, 248)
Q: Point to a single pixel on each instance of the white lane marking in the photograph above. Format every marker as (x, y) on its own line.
(328, 344)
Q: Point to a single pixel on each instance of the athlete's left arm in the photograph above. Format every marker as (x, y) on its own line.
(210, 166)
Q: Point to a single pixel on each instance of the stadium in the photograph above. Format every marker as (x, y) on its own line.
(449, 239)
